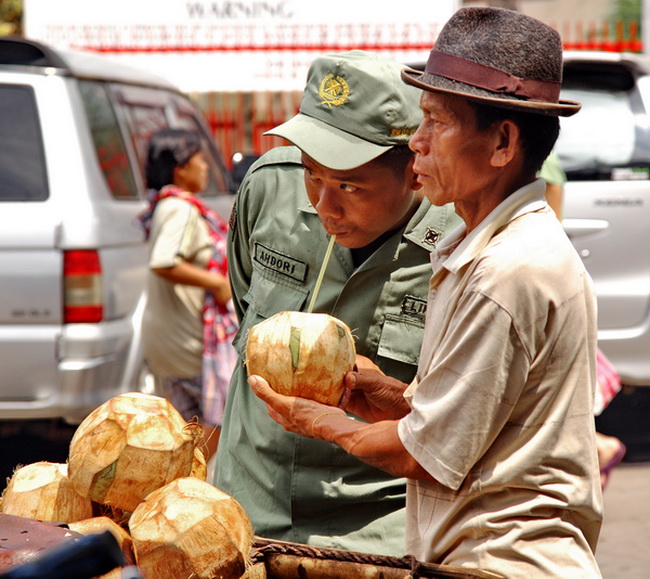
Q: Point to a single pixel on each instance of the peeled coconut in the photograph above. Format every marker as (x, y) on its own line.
(43, 491)
(189, 528)
(302, 354)
(130, 446)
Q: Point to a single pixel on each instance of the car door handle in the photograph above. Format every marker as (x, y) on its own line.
(581, 227)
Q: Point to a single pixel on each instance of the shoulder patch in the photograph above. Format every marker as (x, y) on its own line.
(280, 263)
(232, 222)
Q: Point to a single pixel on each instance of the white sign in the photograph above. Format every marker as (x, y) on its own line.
(246, 45)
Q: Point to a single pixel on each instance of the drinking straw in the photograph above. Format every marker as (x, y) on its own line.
(321, 274)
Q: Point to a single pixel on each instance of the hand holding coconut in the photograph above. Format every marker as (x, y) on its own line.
(376, 444)
(301, 365)
(294, 414)
(371, 395)
(368, 394)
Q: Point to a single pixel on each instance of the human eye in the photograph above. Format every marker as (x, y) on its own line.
(311, 176)
(348, 188)
(431, 119)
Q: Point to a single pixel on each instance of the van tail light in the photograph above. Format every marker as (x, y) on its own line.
(82, 284)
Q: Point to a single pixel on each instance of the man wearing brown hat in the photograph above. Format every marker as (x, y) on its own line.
(496, 432)
(350, 174)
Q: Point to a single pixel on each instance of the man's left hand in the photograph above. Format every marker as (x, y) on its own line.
(297, 415)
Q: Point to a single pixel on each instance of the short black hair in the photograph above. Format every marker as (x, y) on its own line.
(538, 132)
(168, 149)
(398, 157)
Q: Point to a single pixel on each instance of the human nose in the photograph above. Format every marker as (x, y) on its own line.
(325, 201)
(418, 142)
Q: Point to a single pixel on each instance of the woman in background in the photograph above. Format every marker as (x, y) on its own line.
(187, 325)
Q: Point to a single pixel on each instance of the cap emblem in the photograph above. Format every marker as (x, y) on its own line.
(333, 91)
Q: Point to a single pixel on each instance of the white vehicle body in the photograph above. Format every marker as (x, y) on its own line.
(605, 151)
(73, 135)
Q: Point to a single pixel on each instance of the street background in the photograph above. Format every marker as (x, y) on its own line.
(623, 546)
(623, 551)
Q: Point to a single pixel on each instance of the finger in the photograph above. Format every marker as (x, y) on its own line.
(261, 387)
(351, 380)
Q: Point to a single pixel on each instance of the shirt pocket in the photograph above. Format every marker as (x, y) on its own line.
(401, 339)
(266, 297)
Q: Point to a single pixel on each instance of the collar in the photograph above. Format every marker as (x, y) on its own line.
(528, 199)
(428, 224)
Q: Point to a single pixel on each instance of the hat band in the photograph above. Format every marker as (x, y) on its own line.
(492, 79)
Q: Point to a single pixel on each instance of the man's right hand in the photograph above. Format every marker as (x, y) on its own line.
(371, 395)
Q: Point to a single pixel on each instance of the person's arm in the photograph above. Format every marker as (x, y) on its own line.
(376, 444)
(555, 178)
(187, 274)
(240, 264)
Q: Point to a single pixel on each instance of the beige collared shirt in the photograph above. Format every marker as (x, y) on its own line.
(172, 327)
(502, 405)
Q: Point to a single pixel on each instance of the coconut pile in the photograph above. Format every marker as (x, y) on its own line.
(134, 468)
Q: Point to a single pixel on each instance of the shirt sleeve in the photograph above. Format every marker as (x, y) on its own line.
(465, 396)
(239, 245)
(174, 233)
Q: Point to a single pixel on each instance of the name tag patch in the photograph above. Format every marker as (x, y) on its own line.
(280, 263)
(416, 307)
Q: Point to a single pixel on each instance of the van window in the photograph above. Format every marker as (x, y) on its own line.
(147, 110)
(609, 138)
(109, 145)
(23, 175)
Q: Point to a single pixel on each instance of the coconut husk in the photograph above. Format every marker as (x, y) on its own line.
(199, 465)
(302, 354)
(43, 491)
(130, 446)
(189, 528)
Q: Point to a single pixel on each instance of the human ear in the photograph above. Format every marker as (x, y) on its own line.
(506, 143)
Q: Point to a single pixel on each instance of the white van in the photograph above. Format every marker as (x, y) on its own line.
(73, 135)
(605, 151)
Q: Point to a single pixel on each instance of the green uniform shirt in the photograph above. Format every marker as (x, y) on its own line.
(295, 488)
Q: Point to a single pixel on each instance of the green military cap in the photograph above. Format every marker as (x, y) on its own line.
(355, 107)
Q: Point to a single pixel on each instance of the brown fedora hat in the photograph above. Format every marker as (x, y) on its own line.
(500, 57)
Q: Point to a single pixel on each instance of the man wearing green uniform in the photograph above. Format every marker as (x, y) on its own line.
(350, 175)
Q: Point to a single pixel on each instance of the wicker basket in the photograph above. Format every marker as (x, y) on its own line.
(284, 560)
